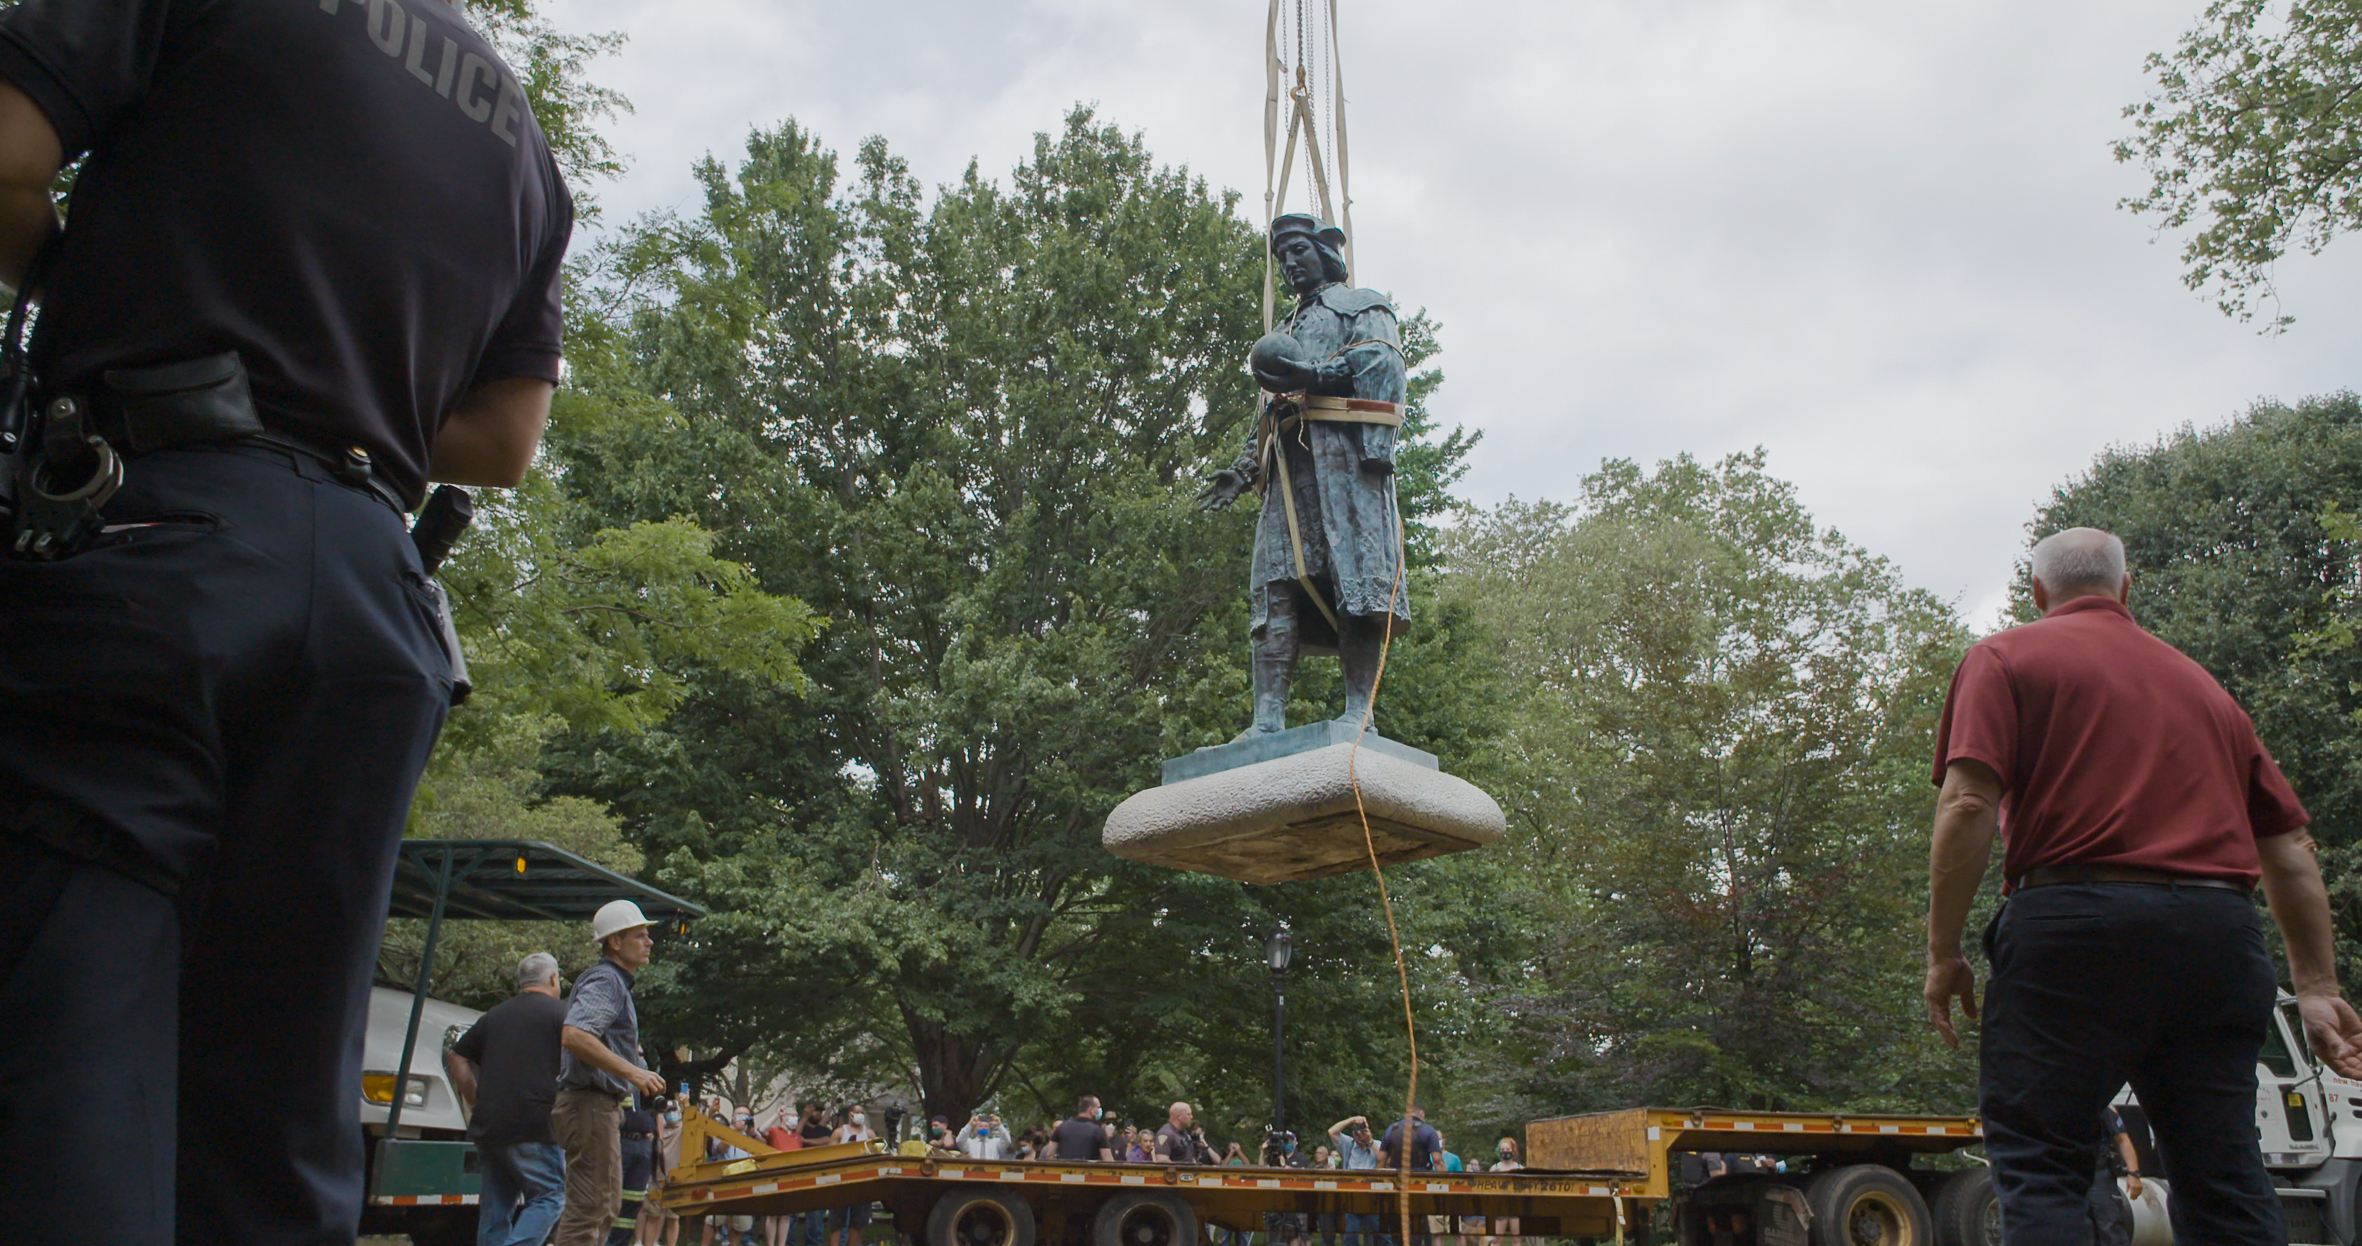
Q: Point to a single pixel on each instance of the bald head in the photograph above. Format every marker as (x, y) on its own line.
(2079, 562)
(1180, 1115)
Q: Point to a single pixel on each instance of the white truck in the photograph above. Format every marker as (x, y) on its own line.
(432, 1198)
(1852, 1180)
(2310, 1119)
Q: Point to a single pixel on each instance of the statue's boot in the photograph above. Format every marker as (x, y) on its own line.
(1361, 644)
(1274, 669)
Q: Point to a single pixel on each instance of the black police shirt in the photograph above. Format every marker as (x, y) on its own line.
(352, 194)
(1078, 1139)
(515, 1050)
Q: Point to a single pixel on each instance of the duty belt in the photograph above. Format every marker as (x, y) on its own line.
(207, 401)
(1324, 409)
(2061, 875)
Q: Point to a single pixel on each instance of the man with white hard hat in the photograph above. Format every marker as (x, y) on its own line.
(600, 1069)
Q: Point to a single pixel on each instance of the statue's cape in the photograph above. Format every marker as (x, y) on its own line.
(1348, 300)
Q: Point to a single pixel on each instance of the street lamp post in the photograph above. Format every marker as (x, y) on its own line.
(1279, 949)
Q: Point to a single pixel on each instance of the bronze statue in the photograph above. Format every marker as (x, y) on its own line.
(1328, 549)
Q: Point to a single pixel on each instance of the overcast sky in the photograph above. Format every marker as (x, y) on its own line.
(1878, 239)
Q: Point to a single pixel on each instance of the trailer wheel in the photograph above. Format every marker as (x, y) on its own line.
(979, 1218)
(1966, 1212)
(1866, 1205)
(1138, 1218)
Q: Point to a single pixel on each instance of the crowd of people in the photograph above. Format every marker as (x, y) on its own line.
(1091, 1135)
(574, 1132)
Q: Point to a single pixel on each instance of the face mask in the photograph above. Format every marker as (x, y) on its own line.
(674, 1116)
(859, 1119)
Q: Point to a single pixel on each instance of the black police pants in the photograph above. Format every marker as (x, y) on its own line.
(2093, 986)
(236, 689)
(639, 1160)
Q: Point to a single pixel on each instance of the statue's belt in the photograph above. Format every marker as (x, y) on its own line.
(1324, 409)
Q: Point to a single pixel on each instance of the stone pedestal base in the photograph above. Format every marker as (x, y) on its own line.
(1279, 808)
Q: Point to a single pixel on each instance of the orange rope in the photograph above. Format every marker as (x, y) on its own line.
(1410, 1026)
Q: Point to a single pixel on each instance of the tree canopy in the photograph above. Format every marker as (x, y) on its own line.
(2253, 134)
(859, 581)
(2240, 559)
(1718, 790)
(966, 431)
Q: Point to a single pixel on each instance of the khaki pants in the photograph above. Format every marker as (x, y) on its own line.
(589, 1124)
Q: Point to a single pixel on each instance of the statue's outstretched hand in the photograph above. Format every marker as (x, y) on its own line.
(1222, 488)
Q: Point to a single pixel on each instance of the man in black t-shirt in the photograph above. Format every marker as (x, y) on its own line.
(1425, 1142)
(324, 238)
(506, 1071)
(1081, 1136)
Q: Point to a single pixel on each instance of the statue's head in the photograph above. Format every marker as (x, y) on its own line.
(1310, 251)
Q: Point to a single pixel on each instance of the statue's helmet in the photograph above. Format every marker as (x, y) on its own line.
(1320, 231)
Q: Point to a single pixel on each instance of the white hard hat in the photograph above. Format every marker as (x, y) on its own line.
(615, 917)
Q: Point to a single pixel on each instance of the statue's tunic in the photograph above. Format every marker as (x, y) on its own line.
(1342, 474)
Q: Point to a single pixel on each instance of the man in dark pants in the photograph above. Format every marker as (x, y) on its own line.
(600, 1070)
(639, 1160)
(2111, 1221)
(2141, 809)
(344, 219)
(506, 1071)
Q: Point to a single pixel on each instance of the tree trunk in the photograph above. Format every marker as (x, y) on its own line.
(956, 1073)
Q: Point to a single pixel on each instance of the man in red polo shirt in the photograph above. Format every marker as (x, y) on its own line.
(2140, 810)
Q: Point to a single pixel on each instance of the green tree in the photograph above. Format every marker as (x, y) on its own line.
(2254, 132)
(568, 622)
(967, 431)
(2224, 532)
(1718, 796)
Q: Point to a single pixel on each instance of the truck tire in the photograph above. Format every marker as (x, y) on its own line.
(1866, 1205)
(1139, 1218)
(979, 1217)
(1966, 1212)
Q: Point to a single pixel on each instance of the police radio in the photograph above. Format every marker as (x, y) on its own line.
(17, 432)
(447, 513)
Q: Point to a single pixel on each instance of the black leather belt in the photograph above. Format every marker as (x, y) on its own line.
(350, 465)
(2060, 875)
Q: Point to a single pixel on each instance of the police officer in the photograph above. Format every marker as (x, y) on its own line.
(313, 262)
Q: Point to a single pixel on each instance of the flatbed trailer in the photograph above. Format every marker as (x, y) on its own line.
(1596, 1177)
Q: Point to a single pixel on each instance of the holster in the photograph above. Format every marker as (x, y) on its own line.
(76, 465)
(176, 404)
(449, 634)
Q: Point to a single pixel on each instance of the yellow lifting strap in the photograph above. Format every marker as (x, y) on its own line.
(1336, 208)
(1325, 409)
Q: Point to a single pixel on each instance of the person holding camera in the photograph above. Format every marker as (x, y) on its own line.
(984, 1137)
(1357, 1151)
(1283, 1228)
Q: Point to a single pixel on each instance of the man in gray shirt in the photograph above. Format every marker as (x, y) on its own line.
(600, 1069)
(1355, 1149)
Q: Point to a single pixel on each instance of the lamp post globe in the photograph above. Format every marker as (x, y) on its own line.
(1279, 949)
